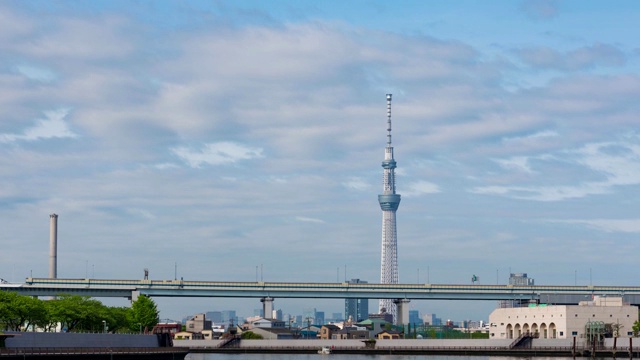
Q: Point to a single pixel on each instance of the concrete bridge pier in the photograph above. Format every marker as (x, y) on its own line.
(267, 307)
(403, 311)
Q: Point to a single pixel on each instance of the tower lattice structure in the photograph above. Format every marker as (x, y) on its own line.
(389, 202)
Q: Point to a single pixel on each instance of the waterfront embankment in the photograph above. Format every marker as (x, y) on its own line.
(539, 347)
(53, 346)
(128, 353)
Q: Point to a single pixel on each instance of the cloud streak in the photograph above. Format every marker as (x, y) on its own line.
(51, 127)
(221, 153)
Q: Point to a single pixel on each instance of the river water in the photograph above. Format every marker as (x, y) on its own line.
(356, 357)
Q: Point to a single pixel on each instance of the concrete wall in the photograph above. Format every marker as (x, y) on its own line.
(622, 342)
(64, 340)
(300, 343)
(197, 343)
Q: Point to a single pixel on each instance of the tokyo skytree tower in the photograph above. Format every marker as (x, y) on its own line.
(389, 202)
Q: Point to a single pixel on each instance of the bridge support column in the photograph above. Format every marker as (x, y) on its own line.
(134, 295)
(267, 307)
(402, 315)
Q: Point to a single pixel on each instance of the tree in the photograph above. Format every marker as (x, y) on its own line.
(8, 317)
(18, 312)
(76, 312)
(144, 314)
(250, 335)
(636, 328)
(118, 319)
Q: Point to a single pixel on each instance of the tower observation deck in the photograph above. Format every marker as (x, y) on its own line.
(389, 202)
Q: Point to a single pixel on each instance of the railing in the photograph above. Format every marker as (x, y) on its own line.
(86, 351)
(229, 341)
(517, 341)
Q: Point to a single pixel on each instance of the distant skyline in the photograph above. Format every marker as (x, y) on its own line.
(231, 136)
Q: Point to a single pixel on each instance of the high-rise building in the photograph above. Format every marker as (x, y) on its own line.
(336, 317)
(389, 202)
(309, 315)
(520, 279)
(229, 317)
(214, 316)
(431, 319)
(358, 309)
(414, 317)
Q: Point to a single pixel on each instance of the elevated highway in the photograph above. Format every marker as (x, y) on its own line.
(554, 294)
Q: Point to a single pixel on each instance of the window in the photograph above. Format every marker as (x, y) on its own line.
(561, 333)
(574, 333)
(576, 315)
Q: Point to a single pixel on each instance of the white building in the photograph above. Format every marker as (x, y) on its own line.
(268, 324)
(561, 321)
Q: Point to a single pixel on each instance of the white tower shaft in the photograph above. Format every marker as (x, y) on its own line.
(389, 202)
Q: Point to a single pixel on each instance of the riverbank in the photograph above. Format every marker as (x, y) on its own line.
(167, 353)
(59, 346)
(556, 352)
(542, 347)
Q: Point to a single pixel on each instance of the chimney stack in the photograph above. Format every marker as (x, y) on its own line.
(53, 246)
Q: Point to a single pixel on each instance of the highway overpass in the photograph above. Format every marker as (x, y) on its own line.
(553, 294)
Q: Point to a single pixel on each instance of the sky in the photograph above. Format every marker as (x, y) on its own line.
(243, 140)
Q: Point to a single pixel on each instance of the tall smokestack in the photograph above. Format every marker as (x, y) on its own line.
(53, 246)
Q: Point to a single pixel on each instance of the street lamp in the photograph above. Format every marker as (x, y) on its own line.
(104, 326)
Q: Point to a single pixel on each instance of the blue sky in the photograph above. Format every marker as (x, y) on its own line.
(229, 135)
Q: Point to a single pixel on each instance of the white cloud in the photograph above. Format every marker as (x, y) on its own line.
(531, 138)
(217, 154)
(356, 183)
(418, 188)
(141, 213)
(543, 193)
(165, 166)
(608, 225)
(520, 163)
(308, 219)
(578, 59)
(618, 162)
(37, 73)
(53, 126)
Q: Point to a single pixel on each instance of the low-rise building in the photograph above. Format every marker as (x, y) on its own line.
(268, 323)
(389, 334)
(198, 323)
(562, 321)
(273, 333)
(327, 331)
(351, 332)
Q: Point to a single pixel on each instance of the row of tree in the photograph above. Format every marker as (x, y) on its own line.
(73, 313)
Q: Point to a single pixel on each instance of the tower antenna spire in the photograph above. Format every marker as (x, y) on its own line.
(388, 119)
